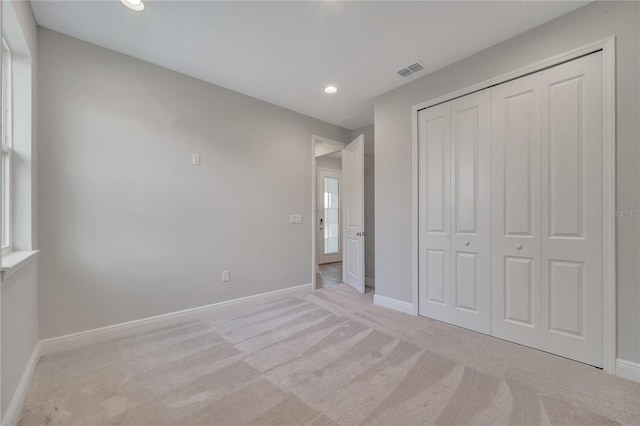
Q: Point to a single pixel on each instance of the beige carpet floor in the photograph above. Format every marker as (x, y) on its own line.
(328, 358)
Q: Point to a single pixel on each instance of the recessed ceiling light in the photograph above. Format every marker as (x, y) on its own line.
(330, 89)
(136, 5)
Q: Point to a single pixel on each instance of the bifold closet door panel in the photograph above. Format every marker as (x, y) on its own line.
(515, 194)
(511, 208)
(471, 211)
(572, 209)
(434, 191)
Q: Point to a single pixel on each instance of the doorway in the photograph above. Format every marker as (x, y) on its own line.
(338, 213)
(329, 219)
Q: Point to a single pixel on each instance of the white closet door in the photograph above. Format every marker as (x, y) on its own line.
(471, 211)
(572, 209)
(515, 193)
(434, 188)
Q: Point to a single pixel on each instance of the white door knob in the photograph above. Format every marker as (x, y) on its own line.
(466, 243)
(519, 246)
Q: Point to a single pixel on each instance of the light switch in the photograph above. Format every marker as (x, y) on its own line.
(295, 218)
(225, 276)
(196, 159)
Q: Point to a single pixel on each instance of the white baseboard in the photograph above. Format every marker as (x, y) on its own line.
(628, 370)
(395, 304)
(370, 282)
(97, 335)
(11, 417)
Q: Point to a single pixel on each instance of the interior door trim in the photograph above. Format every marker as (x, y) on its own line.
(607, 46)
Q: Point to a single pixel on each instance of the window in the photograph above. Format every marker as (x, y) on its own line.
(6, 146)
(331, 216)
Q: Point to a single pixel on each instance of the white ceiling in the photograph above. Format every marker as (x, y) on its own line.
(286, 52)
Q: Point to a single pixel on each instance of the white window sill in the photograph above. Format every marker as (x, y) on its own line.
(15, 260)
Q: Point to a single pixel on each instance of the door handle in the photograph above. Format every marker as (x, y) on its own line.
(361, 234)
(519, 246)
(321, 224)
(466, 243)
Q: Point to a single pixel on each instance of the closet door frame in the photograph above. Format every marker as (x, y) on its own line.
(607, 46)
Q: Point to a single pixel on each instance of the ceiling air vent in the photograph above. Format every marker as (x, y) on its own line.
(415, 67)
(406, 72)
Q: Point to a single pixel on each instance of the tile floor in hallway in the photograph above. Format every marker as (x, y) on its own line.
(329, 274)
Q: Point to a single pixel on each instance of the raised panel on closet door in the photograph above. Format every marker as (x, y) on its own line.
(471, 211)
(434, 217)
(572, 209)
(515, 194)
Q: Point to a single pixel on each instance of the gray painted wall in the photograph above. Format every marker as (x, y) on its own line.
(393, 145)
(369, 198)
(19, 291)
(19, 327)
(129, 228)
(329, 162)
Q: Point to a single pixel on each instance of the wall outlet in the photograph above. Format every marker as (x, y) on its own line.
(196, 159)
(225, 276)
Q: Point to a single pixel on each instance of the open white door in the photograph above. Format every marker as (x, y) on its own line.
(353, 214)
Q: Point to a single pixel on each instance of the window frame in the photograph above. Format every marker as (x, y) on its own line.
(6, 148)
